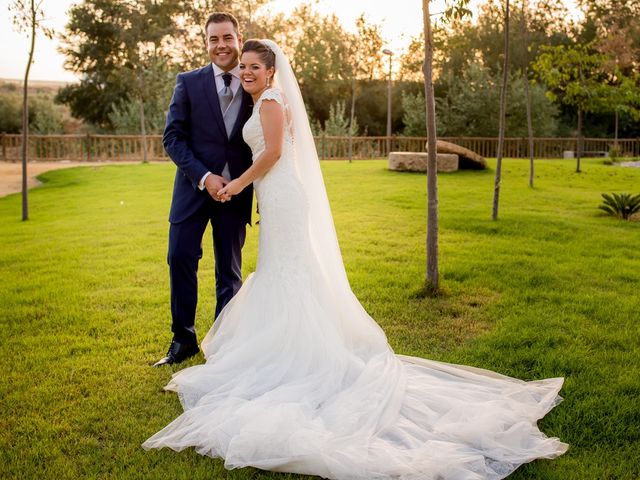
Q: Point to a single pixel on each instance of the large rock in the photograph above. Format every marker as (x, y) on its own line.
(417, 162)
(467, 158)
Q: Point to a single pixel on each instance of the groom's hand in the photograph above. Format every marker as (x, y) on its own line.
(213, 184)
(232, 188)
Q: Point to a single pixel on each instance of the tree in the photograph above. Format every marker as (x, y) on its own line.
(574, 77)
(463, 42)
(365, 60)
(338, 124)
(469, 104)
(146, 66)
(618, 41)
(10, 112)
(502, 118)
(525, 35)
(459, 9)
(622, 97)
(412, 59)
(27, 17)
(45, 117)
(413, 117)
(433, 276)
(126, 60)
(318, 49)
(123, 58)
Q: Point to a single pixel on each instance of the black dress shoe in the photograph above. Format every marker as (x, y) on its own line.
(178, 352)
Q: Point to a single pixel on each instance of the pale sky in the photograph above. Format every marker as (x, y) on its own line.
(399, 23)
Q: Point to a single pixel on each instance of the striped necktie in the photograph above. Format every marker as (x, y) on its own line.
(225, 95)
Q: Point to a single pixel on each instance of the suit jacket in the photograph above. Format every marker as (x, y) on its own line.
(196, 140)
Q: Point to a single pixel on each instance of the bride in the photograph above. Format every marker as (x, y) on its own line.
(298, 378)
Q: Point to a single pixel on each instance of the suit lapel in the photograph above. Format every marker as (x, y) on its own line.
(211, 93)
(244, 113)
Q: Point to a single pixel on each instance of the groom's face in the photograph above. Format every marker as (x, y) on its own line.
(223, 44)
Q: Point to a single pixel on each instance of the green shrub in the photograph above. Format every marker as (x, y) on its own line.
(614, 153)
(621, 205)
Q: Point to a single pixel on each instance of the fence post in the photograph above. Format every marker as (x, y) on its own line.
(88, 145)
(4, 147)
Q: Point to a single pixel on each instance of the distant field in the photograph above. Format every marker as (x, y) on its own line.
(34, 85)
(551, 289)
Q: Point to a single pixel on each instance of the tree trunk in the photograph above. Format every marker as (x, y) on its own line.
(143, 132)
(352, 116)
(389, 109)
(579, 146)
(615, 133)
(525, 29)
(432, 281)
(579, 140)
(503, 105)
(25, 114)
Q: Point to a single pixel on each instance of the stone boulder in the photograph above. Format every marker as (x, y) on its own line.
(467, 158)
(417, 162)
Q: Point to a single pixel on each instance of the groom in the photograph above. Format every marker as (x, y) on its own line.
(203, 136)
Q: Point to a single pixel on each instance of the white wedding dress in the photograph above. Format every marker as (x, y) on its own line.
(298, 378)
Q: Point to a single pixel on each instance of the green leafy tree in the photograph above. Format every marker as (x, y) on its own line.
(470, 105)
(92, 45)
(622, 98)
(574, 77)
(339, 124)
(45, 116)
(413, 118)
(120, 54)
(465, 41)
(365, 59)
(619, 40)
(10, 112)
(318, 48)
(411, 59)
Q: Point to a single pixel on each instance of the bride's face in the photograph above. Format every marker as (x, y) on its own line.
(254, 74)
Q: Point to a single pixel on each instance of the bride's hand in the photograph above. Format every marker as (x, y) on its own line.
(232, 188)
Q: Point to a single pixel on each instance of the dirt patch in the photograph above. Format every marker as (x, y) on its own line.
(11, 173)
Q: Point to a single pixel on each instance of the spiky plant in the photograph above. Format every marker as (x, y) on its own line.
(621, 205)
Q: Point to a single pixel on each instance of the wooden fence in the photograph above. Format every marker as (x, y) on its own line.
(129, 147)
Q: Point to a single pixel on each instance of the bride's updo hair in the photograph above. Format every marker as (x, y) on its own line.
(267, 56)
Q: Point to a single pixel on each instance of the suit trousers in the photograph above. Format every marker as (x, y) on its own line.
(185, 251)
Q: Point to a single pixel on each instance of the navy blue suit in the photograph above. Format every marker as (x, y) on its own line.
(196, 140)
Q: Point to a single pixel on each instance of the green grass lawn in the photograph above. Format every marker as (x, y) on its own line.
(551, 289)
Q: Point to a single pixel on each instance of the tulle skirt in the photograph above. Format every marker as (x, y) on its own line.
(298, 378)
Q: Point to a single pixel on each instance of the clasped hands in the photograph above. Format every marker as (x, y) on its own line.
(222, 189)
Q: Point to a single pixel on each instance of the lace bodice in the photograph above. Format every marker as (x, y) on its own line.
(252, 130)
(282, 202)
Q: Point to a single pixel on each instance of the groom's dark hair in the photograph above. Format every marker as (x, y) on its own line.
(221, 17)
